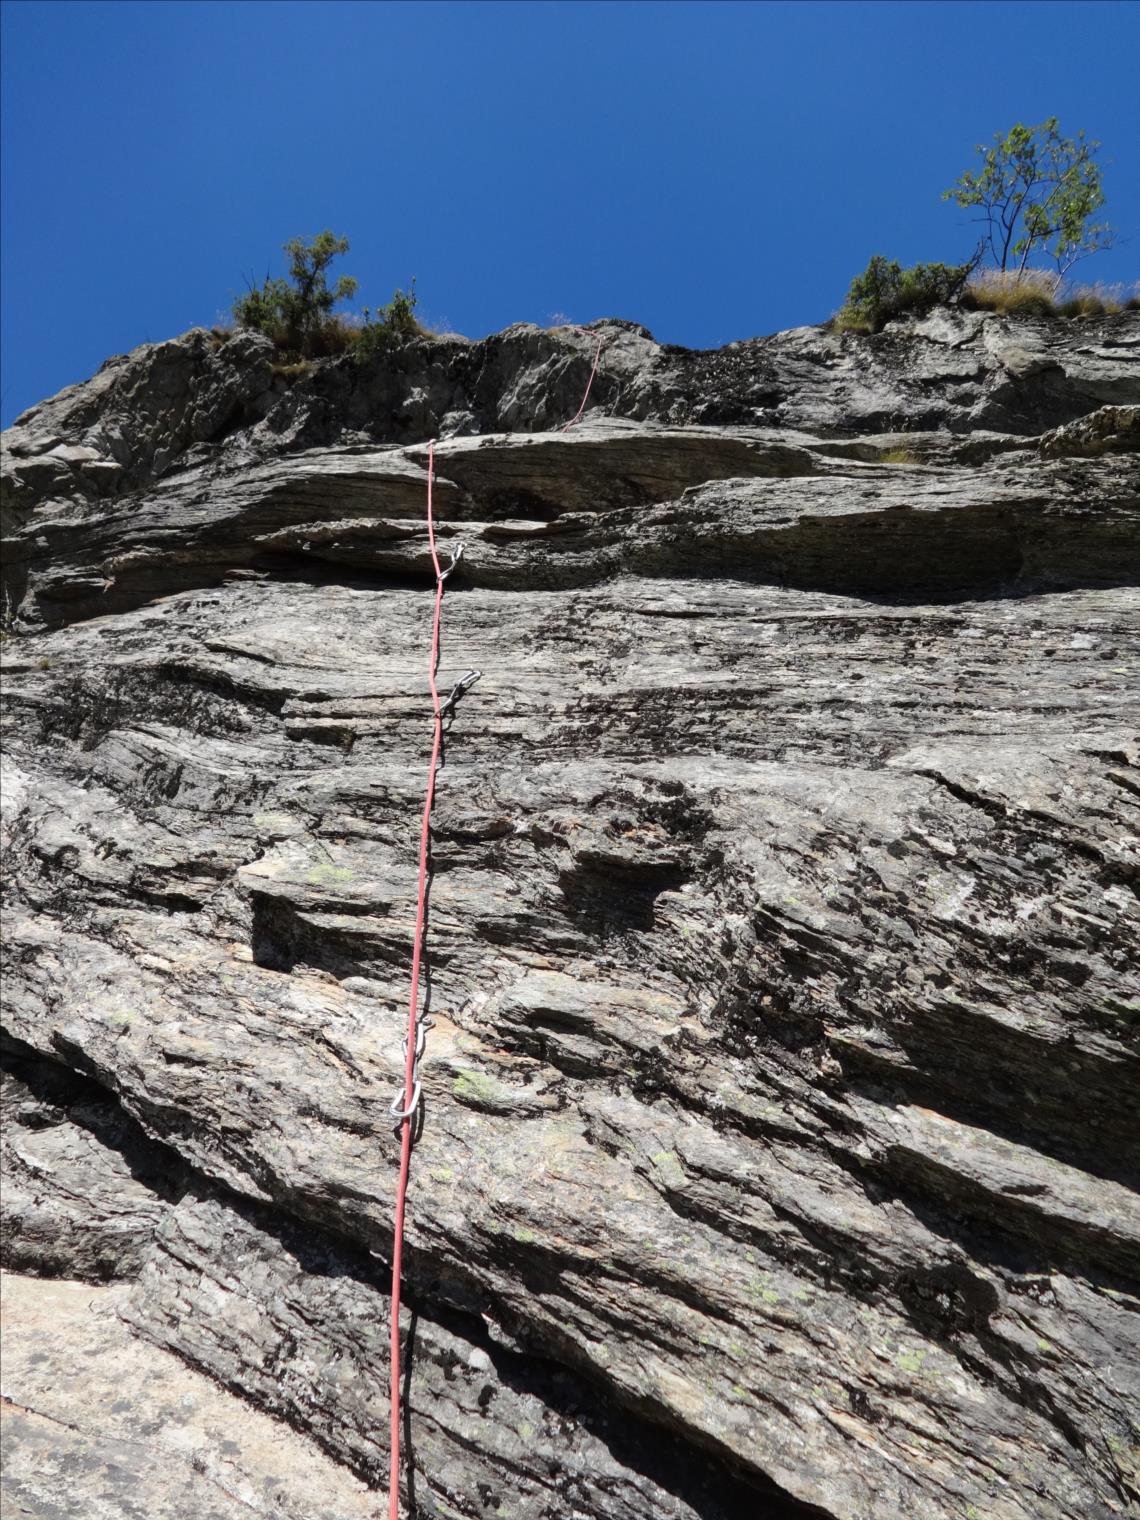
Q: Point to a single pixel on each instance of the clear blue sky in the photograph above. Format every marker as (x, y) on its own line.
(714, 171)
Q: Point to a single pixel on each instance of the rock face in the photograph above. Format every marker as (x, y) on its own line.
(137, 1433)
(779, 1141)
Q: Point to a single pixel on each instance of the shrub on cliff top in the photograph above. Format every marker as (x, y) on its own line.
(393, 324)
(297, 313)
(885, 290)
(298, 316)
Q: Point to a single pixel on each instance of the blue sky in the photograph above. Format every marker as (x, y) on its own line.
(714, 171)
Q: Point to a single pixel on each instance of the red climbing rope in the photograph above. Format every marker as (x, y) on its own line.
(577, 417)
(408, 1102)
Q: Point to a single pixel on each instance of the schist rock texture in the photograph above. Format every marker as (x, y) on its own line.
(780, 1134)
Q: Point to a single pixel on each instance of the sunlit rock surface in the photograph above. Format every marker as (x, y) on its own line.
(779, 1137)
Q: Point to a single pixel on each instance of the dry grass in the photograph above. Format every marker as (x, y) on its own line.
(291, 371)
(898, 456)
(336, 335)
(1041, 292)
(843, 322)
(1099, 300)
(1032, 293)
(431, 326)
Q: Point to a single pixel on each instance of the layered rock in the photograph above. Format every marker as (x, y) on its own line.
(100, 1424)
(778, 1151)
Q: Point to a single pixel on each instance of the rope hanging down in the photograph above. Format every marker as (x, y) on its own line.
(407, 1101)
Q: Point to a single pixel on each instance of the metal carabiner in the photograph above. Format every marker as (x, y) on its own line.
(395, 1109)
(421, 1042)
(461, 688)
(457, 555)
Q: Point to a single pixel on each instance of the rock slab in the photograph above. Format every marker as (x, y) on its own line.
(778, 1154)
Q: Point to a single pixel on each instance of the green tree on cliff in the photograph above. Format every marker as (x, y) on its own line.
(1036, 192)
(298, 316)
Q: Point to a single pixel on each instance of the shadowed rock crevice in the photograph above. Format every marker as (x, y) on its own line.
(904, 534)
(84, 1187)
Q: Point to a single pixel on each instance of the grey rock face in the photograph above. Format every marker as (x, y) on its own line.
(98, 1425)
(1111, 430)
(299, 1325)
(83, 1188)
(778, 1152)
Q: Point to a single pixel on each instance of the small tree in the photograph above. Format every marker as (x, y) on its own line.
(298, 316)
(394, 324)
(1037, 190)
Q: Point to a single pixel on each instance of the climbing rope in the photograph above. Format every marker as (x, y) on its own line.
(406, 1104)
(577, 417)
(407, 1101)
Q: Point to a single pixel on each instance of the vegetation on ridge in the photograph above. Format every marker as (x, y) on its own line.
(886, 290)
(1036, 192)
(297, 313)
(1035, 186)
